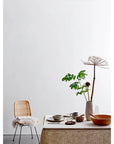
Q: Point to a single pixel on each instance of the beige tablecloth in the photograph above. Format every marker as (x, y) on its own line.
(80, 133)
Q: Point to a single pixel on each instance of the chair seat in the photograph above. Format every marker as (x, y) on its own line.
(25, 121)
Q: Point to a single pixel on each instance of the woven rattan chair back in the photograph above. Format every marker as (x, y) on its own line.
(22, 108)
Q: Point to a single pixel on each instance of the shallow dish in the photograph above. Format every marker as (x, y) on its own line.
(50, 119)
(101, 119)
(70, 123)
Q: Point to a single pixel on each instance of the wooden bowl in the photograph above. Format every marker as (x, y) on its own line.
(101, 119)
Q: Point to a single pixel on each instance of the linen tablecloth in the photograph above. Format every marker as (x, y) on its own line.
(80, 133)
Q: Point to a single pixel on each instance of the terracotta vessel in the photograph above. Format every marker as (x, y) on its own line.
(79, 118)
(101, 119)
(89, 110)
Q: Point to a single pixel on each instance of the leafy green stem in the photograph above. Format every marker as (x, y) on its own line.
(83, 93)
(80, 89)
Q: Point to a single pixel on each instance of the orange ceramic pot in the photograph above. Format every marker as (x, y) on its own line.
(101, 119)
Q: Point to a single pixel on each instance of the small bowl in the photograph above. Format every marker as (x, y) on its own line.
(101, 119)
(79, 118)
(57, 117)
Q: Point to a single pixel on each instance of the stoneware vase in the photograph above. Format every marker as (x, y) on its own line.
(89, 109)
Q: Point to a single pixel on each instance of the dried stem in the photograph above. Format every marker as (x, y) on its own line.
(95, 61)
(93, 84)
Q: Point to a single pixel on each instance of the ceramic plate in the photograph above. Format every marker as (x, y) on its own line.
(70, 123)
(50, 119)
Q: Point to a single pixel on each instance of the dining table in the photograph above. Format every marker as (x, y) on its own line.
(80, 133)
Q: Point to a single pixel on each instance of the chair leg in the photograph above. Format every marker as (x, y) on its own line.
(37, 135)
(20, 134)
(31, 132)
(15, 132)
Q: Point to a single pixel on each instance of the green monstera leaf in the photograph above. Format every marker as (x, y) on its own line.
(80, 89)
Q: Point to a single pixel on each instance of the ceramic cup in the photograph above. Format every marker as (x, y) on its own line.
(74, 114)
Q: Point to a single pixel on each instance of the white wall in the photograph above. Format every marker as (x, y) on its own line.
(43, 41)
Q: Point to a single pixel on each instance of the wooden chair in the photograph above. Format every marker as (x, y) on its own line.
(22, 108)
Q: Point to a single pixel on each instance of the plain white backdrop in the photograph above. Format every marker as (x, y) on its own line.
(43, 41)
(1, 72)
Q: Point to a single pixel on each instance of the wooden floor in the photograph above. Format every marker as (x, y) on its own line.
(25, 139)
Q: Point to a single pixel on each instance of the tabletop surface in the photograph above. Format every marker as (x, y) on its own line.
(79, 125)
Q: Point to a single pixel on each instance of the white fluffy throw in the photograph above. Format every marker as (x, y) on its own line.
(25, 120)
